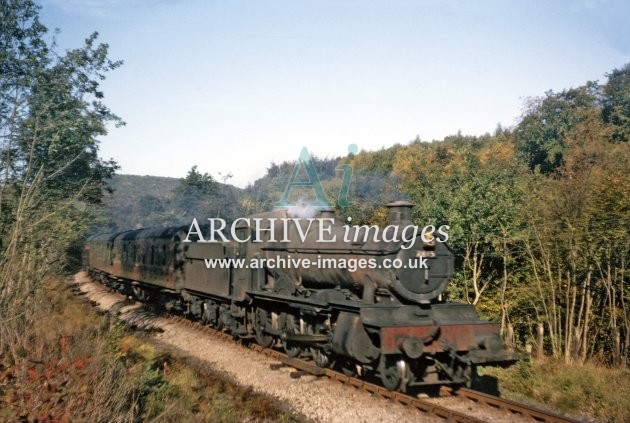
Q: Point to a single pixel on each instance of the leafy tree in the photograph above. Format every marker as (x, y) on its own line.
(617, 103)
(196, 183)
(51, 113)
(23, 53)
(541, 134)
(472, 185)
(196, 195)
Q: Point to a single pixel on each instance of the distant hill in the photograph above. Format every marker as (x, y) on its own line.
(134, 186)
(151, 201)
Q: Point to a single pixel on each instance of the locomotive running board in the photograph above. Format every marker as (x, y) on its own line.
(296, 302)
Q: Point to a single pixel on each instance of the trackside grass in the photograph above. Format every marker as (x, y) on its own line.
(588, 391)
(81, 366)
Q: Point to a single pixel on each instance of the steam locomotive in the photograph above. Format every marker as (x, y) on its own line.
(376, 320)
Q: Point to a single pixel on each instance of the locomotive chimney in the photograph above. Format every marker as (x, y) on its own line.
(399, 213)
(327, 212)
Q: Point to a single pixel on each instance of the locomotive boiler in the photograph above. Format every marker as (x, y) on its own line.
(364, 302)
(377, 260)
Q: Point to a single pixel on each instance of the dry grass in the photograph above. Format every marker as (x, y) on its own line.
(182, 389)
(592, 391)
(76, 365)
(65, 371)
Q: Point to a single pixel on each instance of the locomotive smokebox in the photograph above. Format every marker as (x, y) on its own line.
(399, 213)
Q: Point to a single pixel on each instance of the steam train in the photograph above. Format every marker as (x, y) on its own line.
(377, 320)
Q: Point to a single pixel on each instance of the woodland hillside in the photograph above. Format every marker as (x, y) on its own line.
(539, 217)
(539, 214)
(154, 201)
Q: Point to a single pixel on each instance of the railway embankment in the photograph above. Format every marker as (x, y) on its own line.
(84, 365)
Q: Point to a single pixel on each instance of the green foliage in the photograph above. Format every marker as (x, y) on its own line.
(51, 112)
(264, 192)
(192, 195)
(23, 52)
(51, 178)
(57, 141)
(473, 185)
(138, 201)
(616, 110)
(196, 184)
(541, 134)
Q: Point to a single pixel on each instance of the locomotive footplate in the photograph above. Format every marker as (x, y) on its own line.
(295, 302)
(414, 330)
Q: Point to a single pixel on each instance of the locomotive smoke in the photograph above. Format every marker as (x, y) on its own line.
(303, 210)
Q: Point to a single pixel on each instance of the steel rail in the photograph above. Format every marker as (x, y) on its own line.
(514, 407)
(424, 406)
(445, 413)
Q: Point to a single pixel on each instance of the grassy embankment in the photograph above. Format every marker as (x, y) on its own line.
(81, 366)
(590, 390)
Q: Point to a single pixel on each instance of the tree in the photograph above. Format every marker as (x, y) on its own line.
(194, 194)
(196, 183)
(23, 54)
(616, 109)
(51, 113)
(541, 134)
(578, 244)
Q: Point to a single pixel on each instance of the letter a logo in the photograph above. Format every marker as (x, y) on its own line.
(313, 181)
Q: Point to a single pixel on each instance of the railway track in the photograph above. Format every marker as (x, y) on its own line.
(447, 414)
(513, 407)
(509, 408)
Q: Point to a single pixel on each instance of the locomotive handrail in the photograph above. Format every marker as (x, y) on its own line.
(355, 251)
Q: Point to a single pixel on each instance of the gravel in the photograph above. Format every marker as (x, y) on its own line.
(318, 399)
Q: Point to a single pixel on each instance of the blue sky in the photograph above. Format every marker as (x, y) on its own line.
(232, 85)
